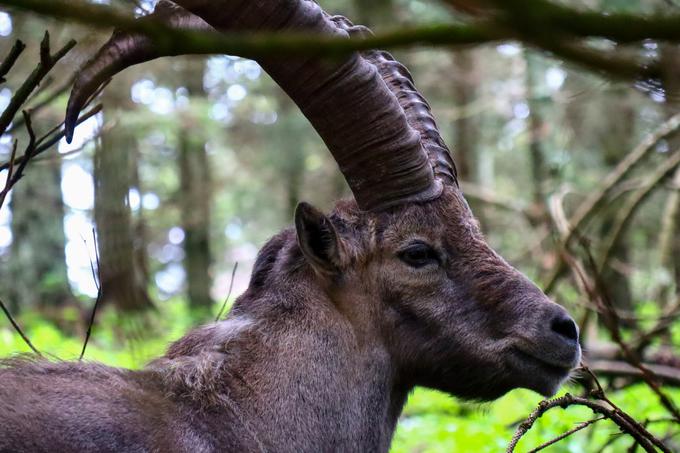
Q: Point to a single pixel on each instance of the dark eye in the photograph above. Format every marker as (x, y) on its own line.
(419, 255)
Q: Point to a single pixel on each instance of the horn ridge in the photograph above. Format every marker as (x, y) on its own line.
(417, 109)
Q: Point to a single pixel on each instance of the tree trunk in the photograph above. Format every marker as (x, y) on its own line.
(37, 268)
(466, 130)
(195, 194)
(373, 13)
(669, 241)
(537, 128)
(617, 140)
(471, 162)
(123, 280)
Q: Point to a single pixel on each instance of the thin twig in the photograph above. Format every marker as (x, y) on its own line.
(577, 428)
(96, 276)
(47, 62)
(639, 433)
(10, 59)
(47, 100)
(593, 202)
(18, 329)
(10, 174)
(14, 176)
(627, 211)
(598, 293)
(226, 299)
(47, 143)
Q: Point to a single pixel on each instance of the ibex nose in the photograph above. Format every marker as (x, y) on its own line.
(564, 326)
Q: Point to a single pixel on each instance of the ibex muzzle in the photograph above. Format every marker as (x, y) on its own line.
(344, 315)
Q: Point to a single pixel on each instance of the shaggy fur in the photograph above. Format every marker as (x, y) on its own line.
(320, 352)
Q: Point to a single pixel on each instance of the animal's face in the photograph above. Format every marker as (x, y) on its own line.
(453, 314)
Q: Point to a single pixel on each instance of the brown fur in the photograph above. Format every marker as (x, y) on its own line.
(319, 353)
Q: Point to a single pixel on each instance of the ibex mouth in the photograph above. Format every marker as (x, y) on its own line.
(543, 373)
(548, 363)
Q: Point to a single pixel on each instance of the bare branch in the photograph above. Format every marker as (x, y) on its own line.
(617, 368)
(18, 329)
(593, 202)
(600, 297)
(46, 141)
(577, 428)
(10, 59)
(47, 62)
(226, 299)
(96, 275)
(627, 211)
(545, 28)
(635, 430)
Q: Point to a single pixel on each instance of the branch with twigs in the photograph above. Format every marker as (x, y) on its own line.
(226, 299)
(599, 197)
(599, 403)
(97, 277)
(47, 62)
(627, 211)
(597, 292)
(11, 58)
(16, 166)
(565, 32)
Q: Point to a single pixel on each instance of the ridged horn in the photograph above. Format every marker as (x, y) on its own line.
(417, 109)
(347, 101)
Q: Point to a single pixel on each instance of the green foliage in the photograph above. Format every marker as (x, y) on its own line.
(432, 422)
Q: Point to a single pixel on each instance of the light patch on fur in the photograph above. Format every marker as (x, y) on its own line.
(230, 328)
(200, 374)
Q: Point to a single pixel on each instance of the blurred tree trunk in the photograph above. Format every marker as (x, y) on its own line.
(466, 128)
(536, 101)
(36, 271)
(373, 13)
(123, 280)
(470, 160)
(669, 240)
(195, 193)
(292, 150)
(37, 268)
(617, 139)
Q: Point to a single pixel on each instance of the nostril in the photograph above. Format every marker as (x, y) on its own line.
(565, 327)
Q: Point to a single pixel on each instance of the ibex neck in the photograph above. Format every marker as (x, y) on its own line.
(295, 375)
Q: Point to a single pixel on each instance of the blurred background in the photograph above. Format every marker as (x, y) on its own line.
(194, 162)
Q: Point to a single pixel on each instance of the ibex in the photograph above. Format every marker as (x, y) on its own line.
(345, 314)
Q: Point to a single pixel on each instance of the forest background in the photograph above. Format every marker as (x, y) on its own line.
(164, 197)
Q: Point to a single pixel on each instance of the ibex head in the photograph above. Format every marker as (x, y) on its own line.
(451, 312)
(406, 262)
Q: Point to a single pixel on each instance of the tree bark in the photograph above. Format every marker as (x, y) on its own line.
(669, 242)
(195, 194)
(37, 268)
(123, 280)
(617, 139)
(466, 128)
(537, 130)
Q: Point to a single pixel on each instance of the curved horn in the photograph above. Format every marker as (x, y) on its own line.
(121, 51)
(348, 103)
(417, 109)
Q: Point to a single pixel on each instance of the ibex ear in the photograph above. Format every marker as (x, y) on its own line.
(318, 239)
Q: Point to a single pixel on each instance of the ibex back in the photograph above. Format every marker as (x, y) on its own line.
(344, 315)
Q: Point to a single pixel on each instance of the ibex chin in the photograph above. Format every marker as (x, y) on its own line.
(345, 314)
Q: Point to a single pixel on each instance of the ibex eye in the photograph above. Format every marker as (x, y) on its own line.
(419, 255)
